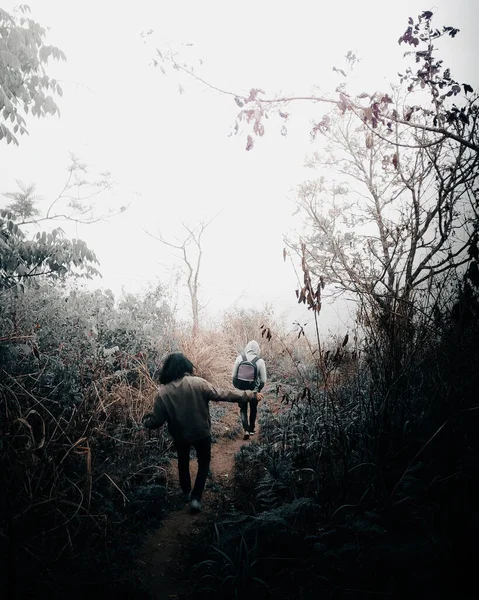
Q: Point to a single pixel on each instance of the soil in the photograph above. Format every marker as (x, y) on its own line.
(161, 559)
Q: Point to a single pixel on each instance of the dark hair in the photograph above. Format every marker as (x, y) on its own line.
(176, 365)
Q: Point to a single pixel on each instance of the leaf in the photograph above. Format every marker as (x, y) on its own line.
(467, 88)
(9, 60)
(427, 14)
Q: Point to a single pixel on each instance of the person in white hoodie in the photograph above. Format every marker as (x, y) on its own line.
(249, 373)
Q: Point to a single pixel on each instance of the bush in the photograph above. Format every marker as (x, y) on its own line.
(366, 486)
(80, 481)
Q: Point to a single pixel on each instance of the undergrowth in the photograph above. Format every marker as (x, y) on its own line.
(360, 489)
(80, 480)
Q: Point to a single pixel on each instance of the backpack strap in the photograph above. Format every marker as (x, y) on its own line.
(255, 360)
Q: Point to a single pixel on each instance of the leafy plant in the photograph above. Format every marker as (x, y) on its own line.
(47, 254)
(24, 84)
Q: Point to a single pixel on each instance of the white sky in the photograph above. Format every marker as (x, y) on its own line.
(171, 155)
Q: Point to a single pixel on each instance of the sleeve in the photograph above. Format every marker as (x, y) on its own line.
(158, 417)
(261, 374)
(235, 366)
(221, 395)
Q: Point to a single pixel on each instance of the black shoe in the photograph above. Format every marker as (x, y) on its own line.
(252, 432)
(246, 435)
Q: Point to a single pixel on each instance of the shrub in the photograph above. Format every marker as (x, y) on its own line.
(79, 478)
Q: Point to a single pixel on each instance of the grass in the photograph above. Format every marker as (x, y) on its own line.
(74, 480)
(367, 488)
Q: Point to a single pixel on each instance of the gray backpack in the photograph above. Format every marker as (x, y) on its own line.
(247, 374)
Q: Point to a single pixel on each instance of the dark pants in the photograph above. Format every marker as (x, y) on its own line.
(203, 454)
(253, 405)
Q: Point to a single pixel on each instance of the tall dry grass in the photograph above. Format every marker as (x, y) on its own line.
(212, 355)
(71, 475)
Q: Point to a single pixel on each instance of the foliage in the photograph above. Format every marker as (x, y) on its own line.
(376, 110)
(24, 83)
(359, 472)
(47, 254)
(75, 477)
(78, 473)
(28, 253)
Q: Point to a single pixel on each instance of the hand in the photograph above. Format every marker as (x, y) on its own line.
(258, 396)
(146, 420)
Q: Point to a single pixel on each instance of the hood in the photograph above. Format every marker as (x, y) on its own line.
(252, 349)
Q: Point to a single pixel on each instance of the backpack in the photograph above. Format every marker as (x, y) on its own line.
(247, 374)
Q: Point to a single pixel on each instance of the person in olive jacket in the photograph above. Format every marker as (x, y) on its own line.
(182, 401)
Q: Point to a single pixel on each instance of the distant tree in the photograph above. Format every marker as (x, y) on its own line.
(23, 201)
(74, 202)
(191, 253)
(24, 84)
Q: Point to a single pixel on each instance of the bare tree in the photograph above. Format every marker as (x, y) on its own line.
(389, 221)
(393, 225)
(191, 253)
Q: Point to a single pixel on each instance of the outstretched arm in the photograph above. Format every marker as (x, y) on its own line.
(221, 395)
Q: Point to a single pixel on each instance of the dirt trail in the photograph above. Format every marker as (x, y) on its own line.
(162, 556)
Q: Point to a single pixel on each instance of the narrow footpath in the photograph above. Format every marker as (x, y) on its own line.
(161, 561)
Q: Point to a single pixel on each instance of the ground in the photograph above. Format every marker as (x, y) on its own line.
(160, 561)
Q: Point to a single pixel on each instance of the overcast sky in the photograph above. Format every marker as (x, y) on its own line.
(171, 155)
